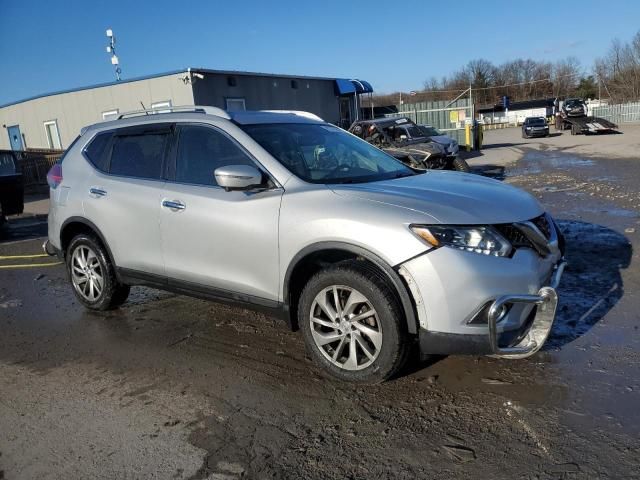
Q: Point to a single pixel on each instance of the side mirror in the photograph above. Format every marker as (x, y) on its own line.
(238, 177)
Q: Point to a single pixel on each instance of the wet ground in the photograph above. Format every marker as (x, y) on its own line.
(171, 387)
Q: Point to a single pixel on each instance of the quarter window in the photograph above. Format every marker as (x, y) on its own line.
(138, 155)
(203, 149)
(95, 151)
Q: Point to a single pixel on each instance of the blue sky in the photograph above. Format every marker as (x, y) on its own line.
(53, 45)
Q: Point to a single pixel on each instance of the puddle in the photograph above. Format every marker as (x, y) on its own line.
(534, 163)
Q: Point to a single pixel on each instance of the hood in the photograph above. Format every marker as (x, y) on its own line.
(449, 197)
(442, 139)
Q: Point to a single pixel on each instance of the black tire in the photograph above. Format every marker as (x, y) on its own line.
(395, 341)
(113, 293)
(460, 165)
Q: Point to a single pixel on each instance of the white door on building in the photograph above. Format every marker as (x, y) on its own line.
(53, 135)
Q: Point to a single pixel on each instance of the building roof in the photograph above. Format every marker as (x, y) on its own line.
(175, 72)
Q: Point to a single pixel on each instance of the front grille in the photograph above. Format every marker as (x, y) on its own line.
(543, 225)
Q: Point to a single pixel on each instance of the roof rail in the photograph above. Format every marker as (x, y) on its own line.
(207, 110)
(300, 113)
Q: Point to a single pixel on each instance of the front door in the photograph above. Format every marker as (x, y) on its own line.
(15, 138)
(224, 242)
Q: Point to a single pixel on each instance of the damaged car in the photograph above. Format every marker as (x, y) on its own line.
(284, 213)
(407, 142)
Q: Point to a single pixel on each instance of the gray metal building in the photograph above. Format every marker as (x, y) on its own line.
(54, 120)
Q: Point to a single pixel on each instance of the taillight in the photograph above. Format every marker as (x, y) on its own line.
(54, 177)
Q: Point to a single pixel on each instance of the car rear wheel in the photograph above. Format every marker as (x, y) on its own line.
(92, 274)
(352, 324)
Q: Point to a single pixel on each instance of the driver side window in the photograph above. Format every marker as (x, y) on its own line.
(201, 150)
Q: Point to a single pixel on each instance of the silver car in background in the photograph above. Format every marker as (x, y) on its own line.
(284, 213)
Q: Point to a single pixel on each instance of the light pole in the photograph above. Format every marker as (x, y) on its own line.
(111, 48)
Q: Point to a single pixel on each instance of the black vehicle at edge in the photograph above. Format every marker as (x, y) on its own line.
(11, 186)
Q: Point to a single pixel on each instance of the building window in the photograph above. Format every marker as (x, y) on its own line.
(235, 104)
(294, 84)
(53, 135)
(231, 81)
(110, 114)
(161, 107)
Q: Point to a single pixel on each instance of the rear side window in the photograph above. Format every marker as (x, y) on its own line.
(203, 149)
(138, 156)
(96, 151)
(7, 165)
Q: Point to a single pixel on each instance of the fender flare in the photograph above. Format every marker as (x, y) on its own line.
(390, 273)
(97, 231)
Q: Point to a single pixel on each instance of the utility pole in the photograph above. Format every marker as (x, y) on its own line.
(111, 48)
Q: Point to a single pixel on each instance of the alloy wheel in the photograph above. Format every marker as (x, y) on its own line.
(345, 327)
(86, 273)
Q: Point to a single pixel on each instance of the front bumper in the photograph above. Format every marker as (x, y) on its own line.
(480, 305)
(537, 133)
(521, 342)
(535, 334)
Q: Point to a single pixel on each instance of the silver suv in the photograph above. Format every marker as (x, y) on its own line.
(282, 212)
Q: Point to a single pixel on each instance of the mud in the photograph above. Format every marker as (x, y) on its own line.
(172, 387)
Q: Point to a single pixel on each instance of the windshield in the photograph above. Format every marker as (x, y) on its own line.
(428, 131)
(574, 103)
(536, 121)
(325, 154)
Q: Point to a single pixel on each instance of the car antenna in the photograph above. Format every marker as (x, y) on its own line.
(144, 108)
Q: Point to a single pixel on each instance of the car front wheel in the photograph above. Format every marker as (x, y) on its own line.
(460, 165)
(352, 324)
(93, 275)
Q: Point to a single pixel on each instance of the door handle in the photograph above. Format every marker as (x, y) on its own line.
(173, 205)
(97, 192)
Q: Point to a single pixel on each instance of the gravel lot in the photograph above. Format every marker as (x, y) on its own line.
(172, 387)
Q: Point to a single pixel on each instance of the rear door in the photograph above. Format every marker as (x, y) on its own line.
(223, 240)
(124, 192)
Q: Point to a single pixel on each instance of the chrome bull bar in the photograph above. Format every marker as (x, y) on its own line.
(546, 302)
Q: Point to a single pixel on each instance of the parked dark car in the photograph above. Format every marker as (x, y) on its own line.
(535, 127)
(11, 186)
(574, 107)
(403, 139)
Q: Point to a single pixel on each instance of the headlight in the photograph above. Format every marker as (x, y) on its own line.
(483, 240)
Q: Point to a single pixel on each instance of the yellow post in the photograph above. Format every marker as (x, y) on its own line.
(467, 136)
